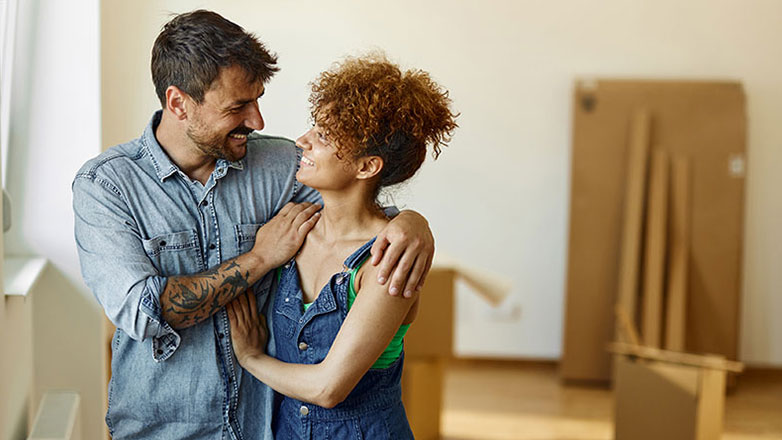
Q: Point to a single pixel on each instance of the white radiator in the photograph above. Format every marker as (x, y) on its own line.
(58, 417)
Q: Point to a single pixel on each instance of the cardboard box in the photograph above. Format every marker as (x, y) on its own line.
(662, 400)
(431, 334)
(422, 395)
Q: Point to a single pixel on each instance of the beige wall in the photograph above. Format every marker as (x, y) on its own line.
(498, 197)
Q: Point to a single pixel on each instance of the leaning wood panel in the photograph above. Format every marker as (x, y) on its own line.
(704, 121)
(655, 243)
(597, 173)
(679, 251)
(635, 196)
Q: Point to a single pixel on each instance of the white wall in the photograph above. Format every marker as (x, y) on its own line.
(55, 127)
(498, 197)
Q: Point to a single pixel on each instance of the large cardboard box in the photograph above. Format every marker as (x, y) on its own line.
(660, 400)
(431, 335)
(702, 121)
(429, 341)
(422, 395)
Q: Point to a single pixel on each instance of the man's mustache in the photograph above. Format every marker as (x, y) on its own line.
(242, 130)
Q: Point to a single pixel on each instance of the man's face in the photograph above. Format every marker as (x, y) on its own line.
(219, 125)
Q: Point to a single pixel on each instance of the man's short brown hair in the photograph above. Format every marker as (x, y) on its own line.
(193, 47)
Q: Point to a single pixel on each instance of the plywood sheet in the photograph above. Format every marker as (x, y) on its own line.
(704, 121)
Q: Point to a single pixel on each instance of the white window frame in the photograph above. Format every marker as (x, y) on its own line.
(8, 15)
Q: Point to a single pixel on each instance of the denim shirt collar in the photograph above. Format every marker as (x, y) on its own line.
(164, 167)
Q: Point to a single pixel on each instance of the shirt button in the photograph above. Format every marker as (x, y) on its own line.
(304, 410)
(205, 203)
(159, 351)
(163, 243)
(303, 346)
(220, 335)
(212, 246)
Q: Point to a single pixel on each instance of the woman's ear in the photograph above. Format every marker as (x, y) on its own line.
(176, 102)
(369, 167)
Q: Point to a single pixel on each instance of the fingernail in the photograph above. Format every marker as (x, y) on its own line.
(381, 280)
(408, 293)
(394, 291)
(418, 288)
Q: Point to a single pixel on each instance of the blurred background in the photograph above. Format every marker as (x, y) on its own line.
(75, 80)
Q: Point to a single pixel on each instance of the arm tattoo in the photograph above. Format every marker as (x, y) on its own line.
(189, 300)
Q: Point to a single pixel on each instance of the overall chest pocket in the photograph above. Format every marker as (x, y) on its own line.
(176, 253)
(245, 236)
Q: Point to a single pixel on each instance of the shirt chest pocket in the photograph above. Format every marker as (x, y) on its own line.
(176, 253)
(245, 236)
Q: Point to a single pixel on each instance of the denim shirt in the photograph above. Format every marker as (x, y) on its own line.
(139, 220)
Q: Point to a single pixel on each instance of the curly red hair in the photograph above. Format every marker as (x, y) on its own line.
(369, 106)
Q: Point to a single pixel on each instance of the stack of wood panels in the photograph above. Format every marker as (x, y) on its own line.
(657, 196)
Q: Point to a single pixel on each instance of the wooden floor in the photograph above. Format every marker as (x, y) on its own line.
(520, 401)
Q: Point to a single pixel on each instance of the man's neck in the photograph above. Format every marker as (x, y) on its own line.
(180, 149)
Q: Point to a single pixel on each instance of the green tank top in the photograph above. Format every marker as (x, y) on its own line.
(394, 349)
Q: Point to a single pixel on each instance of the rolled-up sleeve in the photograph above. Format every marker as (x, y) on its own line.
(115, 266)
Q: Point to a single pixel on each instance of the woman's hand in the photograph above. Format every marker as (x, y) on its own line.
(248, 328)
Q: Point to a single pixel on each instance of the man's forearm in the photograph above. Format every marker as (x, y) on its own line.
(190, 299)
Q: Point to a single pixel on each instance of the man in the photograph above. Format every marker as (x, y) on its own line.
(173, 225)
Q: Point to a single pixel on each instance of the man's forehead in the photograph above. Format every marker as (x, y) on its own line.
(234, 86)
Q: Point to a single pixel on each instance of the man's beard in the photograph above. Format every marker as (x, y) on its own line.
(213, 144)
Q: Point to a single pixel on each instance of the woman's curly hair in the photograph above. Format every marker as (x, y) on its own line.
(368, 107)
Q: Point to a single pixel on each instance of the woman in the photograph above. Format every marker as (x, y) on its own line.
(338, 335)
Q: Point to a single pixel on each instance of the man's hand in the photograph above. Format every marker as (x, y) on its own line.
(248, 332)
(405, 249)
(190, 299)
(281, 237)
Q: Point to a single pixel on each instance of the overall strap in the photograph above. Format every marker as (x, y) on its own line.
(357, 258)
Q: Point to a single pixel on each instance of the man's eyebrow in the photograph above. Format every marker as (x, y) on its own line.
(240, 102)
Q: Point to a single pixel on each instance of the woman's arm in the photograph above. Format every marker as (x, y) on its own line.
(369, 327)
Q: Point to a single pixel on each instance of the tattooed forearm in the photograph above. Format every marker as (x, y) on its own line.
(188, 300)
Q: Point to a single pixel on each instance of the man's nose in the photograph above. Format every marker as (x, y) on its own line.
(254, 119)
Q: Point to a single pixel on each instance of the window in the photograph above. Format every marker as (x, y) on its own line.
(7, 32)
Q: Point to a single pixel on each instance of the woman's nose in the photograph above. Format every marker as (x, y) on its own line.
(303, 141)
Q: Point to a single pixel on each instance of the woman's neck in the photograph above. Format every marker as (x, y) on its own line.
(348, 216)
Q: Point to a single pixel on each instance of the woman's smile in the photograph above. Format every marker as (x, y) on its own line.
(306, 161)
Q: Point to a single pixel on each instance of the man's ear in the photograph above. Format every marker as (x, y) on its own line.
(369, 167)
(176, 102)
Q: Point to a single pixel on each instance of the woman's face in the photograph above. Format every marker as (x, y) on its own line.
(320, 168)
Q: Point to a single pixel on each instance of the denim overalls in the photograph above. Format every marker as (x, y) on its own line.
(373, 410)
